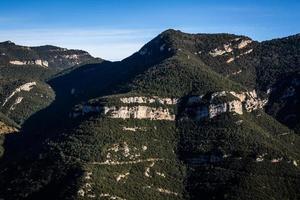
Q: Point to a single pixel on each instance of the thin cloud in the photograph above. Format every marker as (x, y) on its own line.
(6, 19)
(111, 44)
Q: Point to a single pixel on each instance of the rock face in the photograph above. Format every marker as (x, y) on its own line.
(4, 129)
(25, 87)
(50, 57)
(140, 112)
(233, 49)
(126, 112)
(149, 100)
(244, 43)
(232, 106)
(247, 100)
(238, 56)
(136, 111)
(230, 46)
(39, 62)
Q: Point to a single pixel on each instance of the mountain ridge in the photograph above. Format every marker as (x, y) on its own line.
(167, 122)
(46, 55)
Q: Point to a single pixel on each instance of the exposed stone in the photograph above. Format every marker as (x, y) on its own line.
(149, 100)
(134, 112)
(249, 99)
(39, 62)
(240, 96)
(72, 57)
(237, 72)
(228, 48)
(230, 60)
(217, 109)
(244, 43)
(217, 52)
(260, 158)
(238, 56)
(235, 106)
(140, 112)
(81, 192)
(107, 162)
(5, 129)
(25, 87)
(109, 196)
(18, 100)
(232, 106)
(253, 102)
(147, 170)
(144, 148)
(161, 174)
(239, 122)
(167, 191)
(276, 160)
(133, 129)
(119, 152)
(88, 175)
(122, 176)
(218, 94)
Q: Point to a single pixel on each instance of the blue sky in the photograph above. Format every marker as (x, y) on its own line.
(114, 29)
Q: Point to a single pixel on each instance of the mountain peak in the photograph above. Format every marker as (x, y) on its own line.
(8, 42)
(171, 32)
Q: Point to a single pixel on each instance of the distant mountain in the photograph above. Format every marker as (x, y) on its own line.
(188, 116)
(24, 72)
(44, 56)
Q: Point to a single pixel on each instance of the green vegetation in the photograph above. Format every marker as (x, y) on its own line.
(235, 143)
(231, 156)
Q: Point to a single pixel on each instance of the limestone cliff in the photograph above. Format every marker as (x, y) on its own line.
(155, 99)
(200, 108)
(5, 129)
(137, 107)
(39, 62)
(140, 112)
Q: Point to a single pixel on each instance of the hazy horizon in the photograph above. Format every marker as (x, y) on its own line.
(114, 30)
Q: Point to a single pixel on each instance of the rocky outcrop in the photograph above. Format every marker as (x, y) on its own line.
(18, 101)
(238, 56)
(127, 112)
(149, 100)
(46, 56)
(247, 101)
(136, 107)
(243, 43)
(232, 106)
(140, 112)
(4, 129)
(25, 87)
(203, 109)
(39, 62)
(230, 47)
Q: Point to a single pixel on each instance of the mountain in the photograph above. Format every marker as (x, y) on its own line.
(188, 116)
(24, 72)
(43, 56)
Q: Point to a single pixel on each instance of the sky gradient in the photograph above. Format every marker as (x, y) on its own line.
(114, 29)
